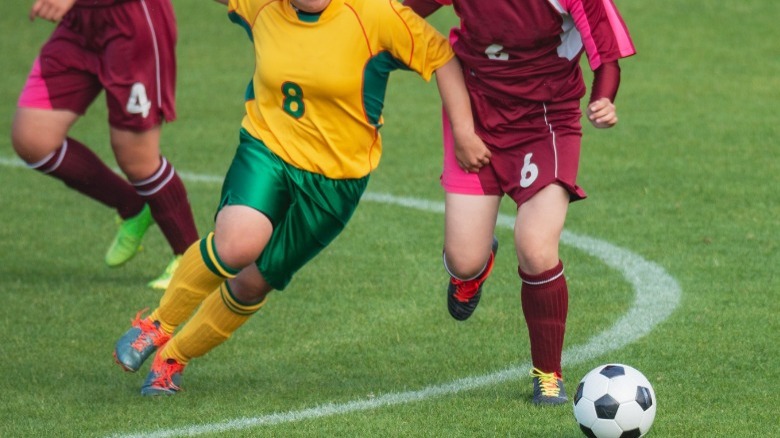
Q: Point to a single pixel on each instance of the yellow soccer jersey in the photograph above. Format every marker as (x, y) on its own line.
(318, 88)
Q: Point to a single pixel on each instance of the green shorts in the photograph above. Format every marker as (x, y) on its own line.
(307, 210)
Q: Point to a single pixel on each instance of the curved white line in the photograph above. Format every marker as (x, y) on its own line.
(656, 295)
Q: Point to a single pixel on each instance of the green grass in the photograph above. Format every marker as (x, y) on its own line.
(687, 181)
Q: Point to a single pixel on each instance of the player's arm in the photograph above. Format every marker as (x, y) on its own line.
(470, 151)
(423, 8)
(601, 110)
(606, 39)
(52, 10)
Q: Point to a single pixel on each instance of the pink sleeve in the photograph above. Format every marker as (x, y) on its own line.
(604, 35)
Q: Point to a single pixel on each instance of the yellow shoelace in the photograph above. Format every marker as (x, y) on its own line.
(548, 382)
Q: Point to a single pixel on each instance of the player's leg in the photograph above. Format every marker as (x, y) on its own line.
(302, 231)
(140, 97)
(222, 312)
(241, 234)
(56, 93)
(156, 181)
(469, 249)
(234, 301)
(217, 318)
(39, 137)
(244, 235)
(544, 292)
(546, 186)
(471, 207)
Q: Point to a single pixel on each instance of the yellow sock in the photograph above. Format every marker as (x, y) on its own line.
(218, 317)
(200, 271)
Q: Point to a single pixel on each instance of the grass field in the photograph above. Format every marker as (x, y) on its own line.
(679, 232)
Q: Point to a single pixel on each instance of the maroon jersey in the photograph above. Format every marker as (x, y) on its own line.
(97, 3)
(530, 49)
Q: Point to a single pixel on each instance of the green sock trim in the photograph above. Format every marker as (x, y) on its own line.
(235, 305)
(208, 252)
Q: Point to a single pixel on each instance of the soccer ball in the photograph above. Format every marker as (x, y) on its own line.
(614, 401)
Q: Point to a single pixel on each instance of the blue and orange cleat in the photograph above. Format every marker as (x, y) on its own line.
(164, 377)
(139, 342)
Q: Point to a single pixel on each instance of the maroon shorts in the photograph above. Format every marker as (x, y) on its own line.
(127, 49)
(532, 144)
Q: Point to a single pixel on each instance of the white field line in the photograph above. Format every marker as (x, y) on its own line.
(656, 295)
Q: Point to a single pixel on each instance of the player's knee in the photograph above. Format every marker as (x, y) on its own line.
(33, 147)
(23, 144)
(241, 235)
(537, 262)
(237, 253)
(466, 265)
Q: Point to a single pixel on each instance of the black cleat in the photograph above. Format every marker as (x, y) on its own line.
(463, 295)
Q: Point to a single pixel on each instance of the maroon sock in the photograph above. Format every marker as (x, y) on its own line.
(545, 301)
(80, 169)
(167, 198)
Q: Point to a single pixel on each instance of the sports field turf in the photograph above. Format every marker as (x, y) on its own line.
(672, 261)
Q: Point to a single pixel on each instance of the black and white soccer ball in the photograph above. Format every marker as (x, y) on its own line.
(615, 401)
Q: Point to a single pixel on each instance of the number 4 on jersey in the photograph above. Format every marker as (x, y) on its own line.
(138, 103)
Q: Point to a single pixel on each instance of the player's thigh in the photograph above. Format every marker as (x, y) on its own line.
(469, 225)
(63, 76)
(240, 235)
(255, 198)
(319, 210)
(59, 88)
(36, 133)
(257, 178)
(139, 64)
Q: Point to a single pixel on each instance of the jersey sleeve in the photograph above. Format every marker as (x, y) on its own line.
(604, 35)
(247, 10)
(412, 41)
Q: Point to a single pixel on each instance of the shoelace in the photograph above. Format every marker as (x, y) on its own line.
(150, 333)
(165, 369)
(466, 289)
(548, 382)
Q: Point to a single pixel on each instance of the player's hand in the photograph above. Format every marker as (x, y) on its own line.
(602, 114)
(470, 151)
(52, 10)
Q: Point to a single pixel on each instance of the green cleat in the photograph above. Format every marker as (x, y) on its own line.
(128, 239)
(164, 279)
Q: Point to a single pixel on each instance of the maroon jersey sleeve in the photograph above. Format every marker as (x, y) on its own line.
(603, 33)
(423, 8)
(606, 80)
(97, 3)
